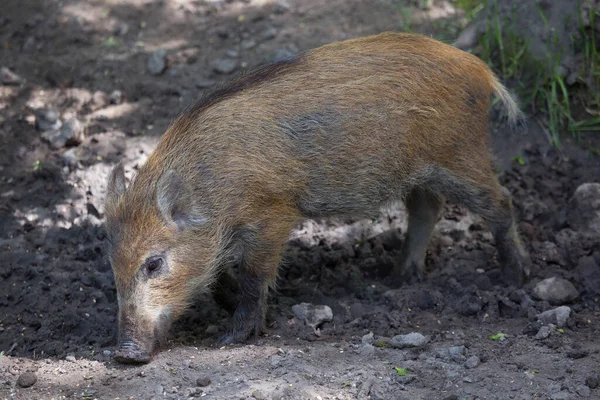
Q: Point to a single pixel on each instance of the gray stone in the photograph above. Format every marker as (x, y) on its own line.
(583, 391)
(584, 209)
(561, 396)
(258, 395)
(414, 339)
(203, 381)
(116, 97)
(157, 62)
(27, 379)
(70, 133)
(70, 358)
(312, 315)
(7, 77)
(269, 33)
(276, 360)
(247, 44)
(556, 291)
(472, 362)
(367, 349)
(592, 382)
(224, 65)
(367, 339)
(29, 44)
(543, 333)
(280, 54)
(558, 316)
(107, 353)
(212, 330)
(46, 119)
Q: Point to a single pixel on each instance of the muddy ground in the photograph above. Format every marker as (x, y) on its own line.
(89, 60)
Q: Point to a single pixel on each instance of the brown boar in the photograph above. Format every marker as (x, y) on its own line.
(340, 130)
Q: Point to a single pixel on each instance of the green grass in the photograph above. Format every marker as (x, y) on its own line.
(541, 84)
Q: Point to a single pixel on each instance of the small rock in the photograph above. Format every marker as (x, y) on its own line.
(583, 391)
(116, 97)
(224, 65)
(27, 379)
(46, 119)
(472, 362)
(203, 381)
(280, 7)
(269, 33)
(7, 77)
(561, 396)
(577, 353)
(313, 315)
(367, 339)
(414, 339)
(29, 44)
(543, 333)
(367, 349)
(157, 62)
(357, 310)
(71, 133)
(515, 387)
(592, 382)
(280, 54)
(107, 353)
(258, 395)
(557, 316)
(555, 290)
(467, 379)
(212, 330)
(247, 44)
(584, 208)
(457, 350)
(469, 37)
(232, 53)
(70, 358)
(276, 360)
(205, 83)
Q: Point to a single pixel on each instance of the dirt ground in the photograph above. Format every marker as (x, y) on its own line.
(89, 60)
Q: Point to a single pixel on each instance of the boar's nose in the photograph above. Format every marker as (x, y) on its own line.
(130, 353)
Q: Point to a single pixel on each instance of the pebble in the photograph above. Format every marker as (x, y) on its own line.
(584, 208)
(247, 44)
(232, 53)
(472, 362)
(107, 353)
(70, 133)
(367, 339)
(558, 316)
(556, 291)
(367, 349)
(27, 379)
(7, 77)
(157, 62)
(543, 333)
(280, 54)
(46, 119)
(312, 315)
(414, 339)
(212, 330)
(258, 395)
(70, 358)
(561, 396)
(203, 381)
(583, 391)
(116, 97)
(515, 387)
(592, 382)
(224, 65)
(276, 360)
(269, 33)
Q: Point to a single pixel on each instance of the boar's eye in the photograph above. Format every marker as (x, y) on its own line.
(153, 266)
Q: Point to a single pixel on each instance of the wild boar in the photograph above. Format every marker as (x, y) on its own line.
(340, 130)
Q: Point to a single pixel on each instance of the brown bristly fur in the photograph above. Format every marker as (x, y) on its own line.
(339, 130)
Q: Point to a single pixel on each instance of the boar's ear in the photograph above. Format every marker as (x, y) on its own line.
(116, 183)
(176, 202)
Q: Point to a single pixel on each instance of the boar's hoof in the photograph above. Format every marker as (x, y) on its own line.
(129, 353)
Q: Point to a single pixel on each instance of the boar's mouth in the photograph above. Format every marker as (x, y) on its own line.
(132, 352)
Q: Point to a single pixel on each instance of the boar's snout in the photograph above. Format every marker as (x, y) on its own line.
(130, 352)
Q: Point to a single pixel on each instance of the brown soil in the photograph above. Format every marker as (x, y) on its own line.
(57, 295)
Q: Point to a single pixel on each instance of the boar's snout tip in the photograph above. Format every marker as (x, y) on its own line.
(130, 353)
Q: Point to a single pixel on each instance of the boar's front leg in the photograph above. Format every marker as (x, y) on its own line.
(259, 261)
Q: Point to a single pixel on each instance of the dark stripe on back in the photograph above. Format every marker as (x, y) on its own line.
(247, 80)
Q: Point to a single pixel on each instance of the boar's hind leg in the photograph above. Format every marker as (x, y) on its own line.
(423, 210)
(493, 202)
(258, 269)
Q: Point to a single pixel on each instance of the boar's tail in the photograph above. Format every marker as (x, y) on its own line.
(513, 111)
